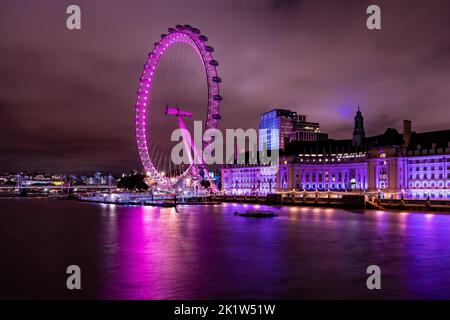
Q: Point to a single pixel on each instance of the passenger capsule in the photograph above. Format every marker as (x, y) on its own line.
(216, 79)
(171, 30)
(214, 63)
(179, 26)
(188, 26)
(203, 38)
(195, 30)
(163, 35)
(217, 97)
(217, 116)
(209, 49)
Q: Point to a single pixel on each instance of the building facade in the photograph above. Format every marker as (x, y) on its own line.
(393, 164)
(280, 126)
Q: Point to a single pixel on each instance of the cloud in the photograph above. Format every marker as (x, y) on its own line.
(66, 98)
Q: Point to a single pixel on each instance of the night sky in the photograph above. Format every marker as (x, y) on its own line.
(67, 97)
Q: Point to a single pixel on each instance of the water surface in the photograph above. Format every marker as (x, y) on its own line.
(205, 252)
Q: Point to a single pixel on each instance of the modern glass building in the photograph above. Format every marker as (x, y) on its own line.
(274, 127)
(279, 126)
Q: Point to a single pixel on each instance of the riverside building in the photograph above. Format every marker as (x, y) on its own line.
(393, 164)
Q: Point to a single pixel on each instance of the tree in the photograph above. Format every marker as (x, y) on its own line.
(133, 182)
(205, 184)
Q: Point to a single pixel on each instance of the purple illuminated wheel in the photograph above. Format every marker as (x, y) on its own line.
(179, 35)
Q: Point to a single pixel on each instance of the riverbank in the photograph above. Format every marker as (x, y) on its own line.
(350, 201)
(149, 203)
(145, 199)
(412, 205)
(344, 202)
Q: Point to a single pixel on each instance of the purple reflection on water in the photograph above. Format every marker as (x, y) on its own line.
(206, 252)
(163, 254)
(427, 248)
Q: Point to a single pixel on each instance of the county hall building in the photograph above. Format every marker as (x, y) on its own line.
(409, 164)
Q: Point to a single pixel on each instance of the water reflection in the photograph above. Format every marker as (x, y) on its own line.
(206, 252)
(164, 254)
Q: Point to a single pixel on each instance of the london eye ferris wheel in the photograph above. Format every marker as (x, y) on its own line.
(179, 79)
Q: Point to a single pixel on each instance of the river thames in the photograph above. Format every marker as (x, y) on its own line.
(206, 252)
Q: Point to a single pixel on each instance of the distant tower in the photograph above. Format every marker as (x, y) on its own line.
(358, 131)
(406, 132)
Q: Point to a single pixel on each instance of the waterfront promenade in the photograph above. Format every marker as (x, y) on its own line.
(317, 199)
(341, 200)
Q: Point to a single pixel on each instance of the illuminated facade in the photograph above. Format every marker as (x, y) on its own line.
(245, 180)
(393, 164)
(282, 126)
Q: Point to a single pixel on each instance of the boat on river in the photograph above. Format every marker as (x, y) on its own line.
(257, 214)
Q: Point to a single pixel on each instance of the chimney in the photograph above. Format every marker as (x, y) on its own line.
(406, 132)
